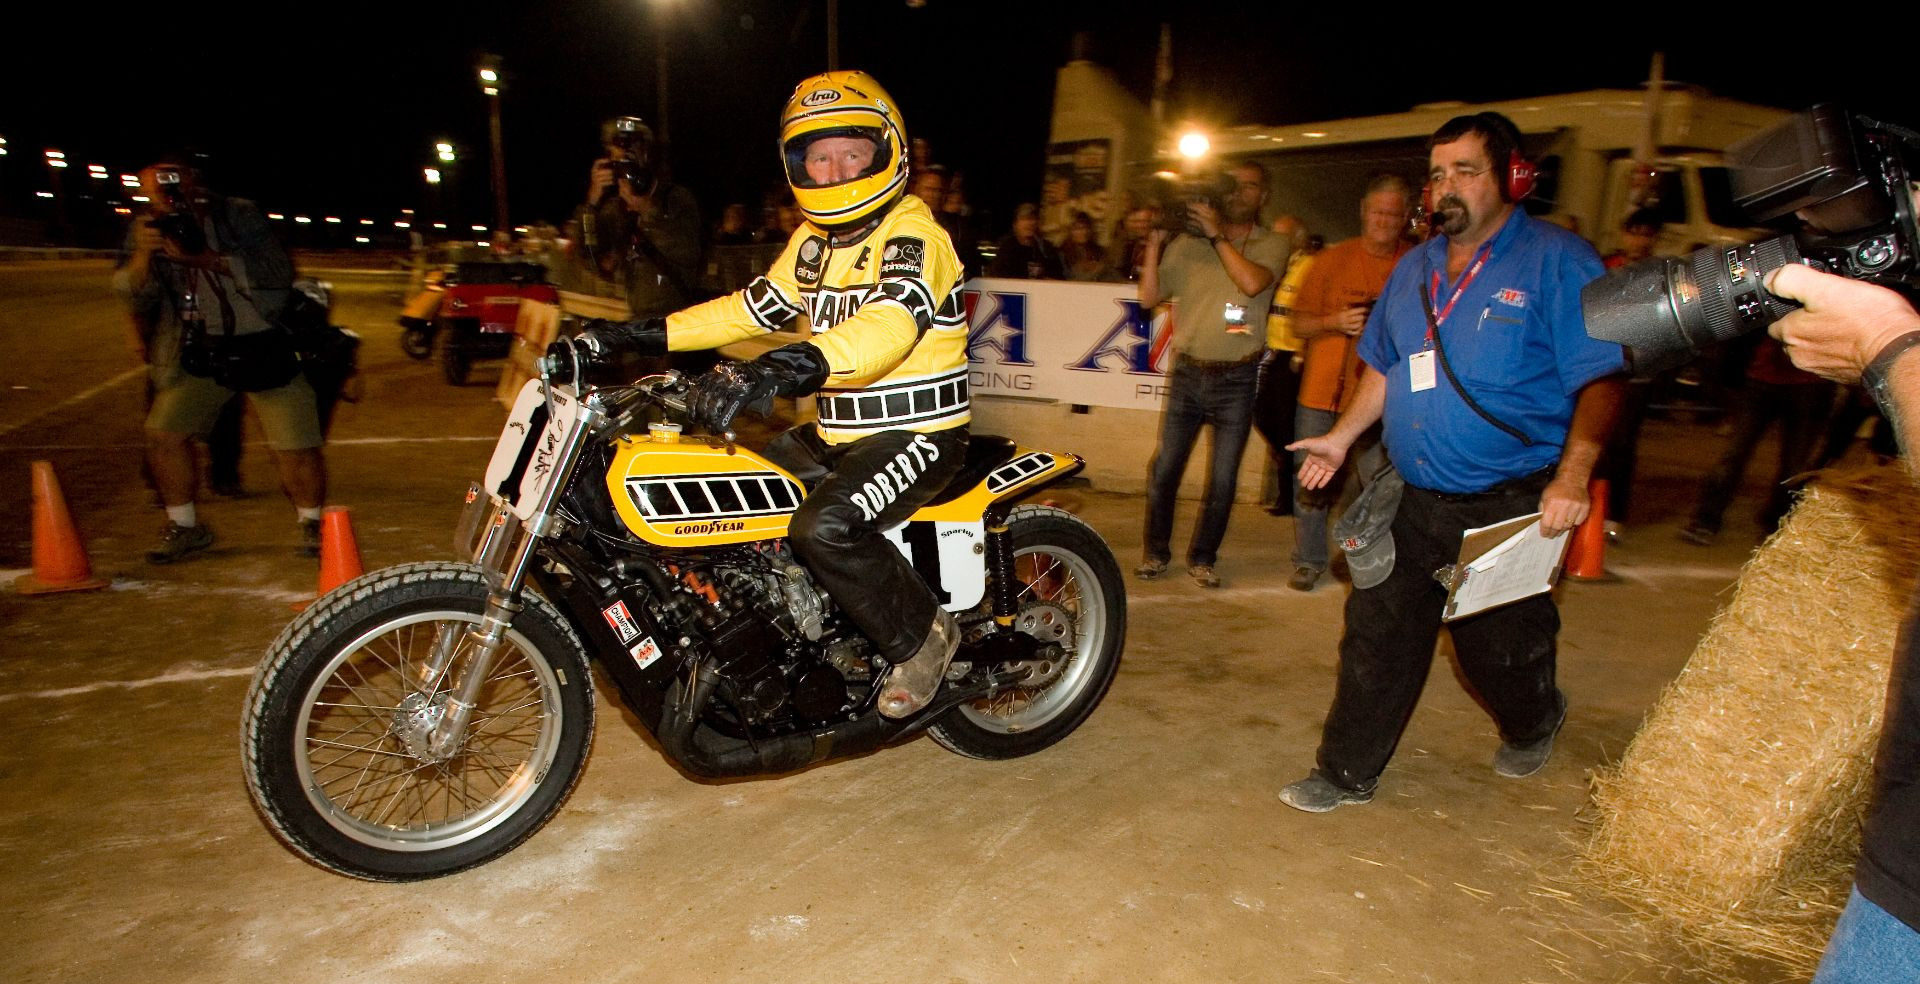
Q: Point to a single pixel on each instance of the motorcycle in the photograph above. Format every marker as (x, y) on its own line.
(427, 718)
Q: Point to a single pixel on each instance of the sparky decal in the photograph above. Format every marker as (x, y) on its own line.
(622, 622)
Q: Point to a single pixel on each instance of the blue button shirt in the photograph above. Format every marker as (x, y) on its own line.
(1515, 339)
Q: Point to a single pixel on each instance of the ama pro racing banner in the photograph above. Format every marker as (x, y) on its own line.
(1065, 341)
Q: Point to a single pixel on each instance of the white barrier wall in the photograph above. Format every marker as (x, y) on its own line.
(1079, 367)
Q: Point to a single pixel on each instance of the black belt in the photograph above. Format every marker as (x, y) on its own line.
(1533, 484)
(1183, 359)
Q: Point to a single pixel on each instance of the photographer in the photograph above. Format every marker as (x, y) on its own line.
(638, 229)
(1852, 331)
(1220, 273)
(208, 278)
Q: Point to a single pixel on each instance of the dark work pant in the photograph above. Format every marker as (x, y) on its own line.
(1801, 409)
(1196, 397)
(1506, 653)
(1273, 404)
(856, 492)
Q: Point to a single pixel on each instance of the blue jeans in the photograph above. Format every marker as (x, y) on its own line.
(1310, 506)
(1869, 946)
(1196, 397)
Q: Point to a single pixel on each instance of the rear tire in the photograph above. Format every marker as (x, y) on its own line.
(339, 779)
(1070, 591)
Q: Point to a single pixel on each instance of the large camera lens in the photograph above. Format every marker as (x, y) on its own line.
(1666, 309)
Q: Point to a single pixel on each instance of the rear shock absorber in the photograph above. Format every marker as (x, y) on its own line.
(1006, 591)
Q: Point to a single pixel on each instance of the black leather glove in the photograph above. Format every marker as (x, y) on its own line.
(720, 395)
(602, 344)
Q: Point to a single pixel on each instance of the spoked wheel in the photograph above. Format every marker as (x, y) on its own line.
(417, 341)
(1072, 599)
(338, 735)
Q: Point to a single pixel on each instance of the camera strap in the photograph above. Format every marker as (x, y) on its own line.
(1439, 350)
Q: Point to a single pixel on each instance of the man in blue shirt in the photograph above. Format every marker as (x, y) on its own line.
(1494, 404)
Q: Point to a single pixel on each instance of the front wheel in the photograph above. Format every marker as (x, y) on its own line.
(1072, 598)
(334, 734)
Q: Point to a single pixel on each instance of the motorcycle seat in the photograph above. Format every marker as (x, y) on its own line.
(985, 452)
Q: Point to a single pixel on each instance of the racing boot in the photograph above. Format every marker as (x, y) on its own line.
(911, 685)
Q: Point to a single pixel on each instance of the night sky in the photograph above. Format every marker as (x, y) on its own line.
(337, 112)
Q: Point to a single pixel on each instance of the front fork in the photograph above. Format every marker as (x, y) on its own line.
(505, 550)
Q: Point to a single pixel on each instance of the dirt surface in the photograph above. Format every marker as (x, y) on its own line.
(1149, 846)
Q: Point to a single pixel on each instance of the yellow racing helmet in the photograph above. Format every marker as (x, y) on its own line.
(844, 104)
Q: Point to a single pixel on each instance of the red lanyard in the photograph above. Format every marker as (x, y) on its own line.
(1466, 279)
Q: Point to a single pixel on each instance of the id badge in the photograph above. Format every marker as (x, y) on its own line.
(1236, 316)
(1420, 370)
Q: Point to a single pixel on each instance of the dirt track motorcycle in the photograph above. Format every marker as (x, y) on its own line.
(427, 718)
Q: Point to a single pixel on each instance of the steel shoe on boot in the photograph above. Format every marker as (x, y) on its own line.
(911, 685)
(177, 542)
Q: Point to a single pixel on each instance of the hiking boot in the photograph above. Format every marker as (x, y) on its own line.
(1318, 794)
(1520, 761)
(1150, 569)
(1203, 575)
(1303, 579)
(178, 542)
(1699, 534)
(911, 685)
(309, 538)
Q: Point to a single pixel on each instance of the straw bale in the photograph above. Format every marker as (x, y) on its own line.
(1733, 818)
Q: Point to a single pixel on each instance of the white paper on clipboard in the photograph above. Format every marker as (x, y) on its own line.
(1501, 564)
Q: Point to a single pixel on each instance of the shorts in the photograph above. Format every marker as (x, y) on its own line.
(190, 404)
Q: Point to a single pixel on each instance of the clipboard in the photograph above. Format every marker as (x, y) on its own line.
(1501, 564)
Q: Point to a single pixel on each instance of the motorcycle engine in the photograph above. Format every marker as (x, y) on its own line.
(766, 620)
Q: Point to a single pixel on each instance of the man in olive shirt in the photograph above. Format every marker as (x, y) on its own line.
(1220, 275)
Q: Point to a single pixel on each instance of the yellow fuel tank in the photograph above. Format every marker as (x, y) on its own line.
(692, 492)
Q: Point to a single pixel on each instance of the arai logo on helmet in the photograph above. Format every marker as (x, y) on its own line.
(820, 97)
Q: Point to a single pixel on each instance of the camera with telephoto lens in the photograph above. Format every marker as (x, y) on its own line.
(635, 165)
(178, 225)
(1844, 177)
(1173, 193)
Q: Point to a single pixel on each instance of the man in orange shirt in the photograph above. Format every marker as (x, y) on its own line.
(1328, 315)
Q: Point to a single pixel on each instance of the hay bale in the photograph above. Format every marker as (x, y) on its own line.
(1733, 818)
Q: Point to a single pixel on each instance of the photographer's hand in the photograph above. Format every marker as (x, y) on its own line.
(1843, 325)
(1205, 216)
(600, 179)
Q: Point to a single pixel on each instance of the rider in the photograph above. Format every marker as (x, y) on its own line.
(879, 281)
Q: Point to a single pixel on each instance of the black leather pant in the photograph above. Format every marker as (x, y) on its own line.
(855, 492)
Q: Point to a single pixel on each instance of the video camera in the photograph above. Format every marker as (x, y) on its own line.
(179, 225)
(1846, 179)
(1171, 194)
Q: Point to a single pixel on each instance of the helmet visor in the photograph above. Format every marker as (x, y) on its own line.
(795, 154)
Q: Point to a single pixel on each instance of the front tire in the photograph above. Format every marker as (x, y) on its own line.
(1070, 594)
(342, 781)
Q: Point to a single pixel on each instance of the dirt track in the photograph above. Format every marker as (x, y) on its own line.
(1148, 847)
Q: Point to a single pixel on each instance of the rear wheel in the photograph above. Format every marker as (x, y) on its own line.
(1071, 598)
(334, 736)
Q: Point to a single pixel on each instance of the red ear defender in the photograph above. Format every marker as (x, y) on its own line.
(1521, 175)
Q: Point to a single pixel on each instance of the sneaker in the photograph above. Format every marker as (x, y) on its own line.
(1303, 579)
(1150, 569)
(911, 685)
(1520, 761)
(309, 538)
(1698, 535)
(177, 542)
(1203, 575)
(1317, 794)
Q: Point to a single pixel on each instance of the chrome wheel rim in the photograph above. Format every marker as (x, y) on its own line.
(1055, 580)
(358, 770)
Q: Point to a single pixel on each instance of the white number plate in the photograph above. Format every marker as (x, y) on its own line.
(528, 455)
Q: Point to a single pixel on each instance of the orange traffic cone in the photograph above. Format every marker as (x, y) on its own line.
(59, 558)
(1586, 556)
(339, 553)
